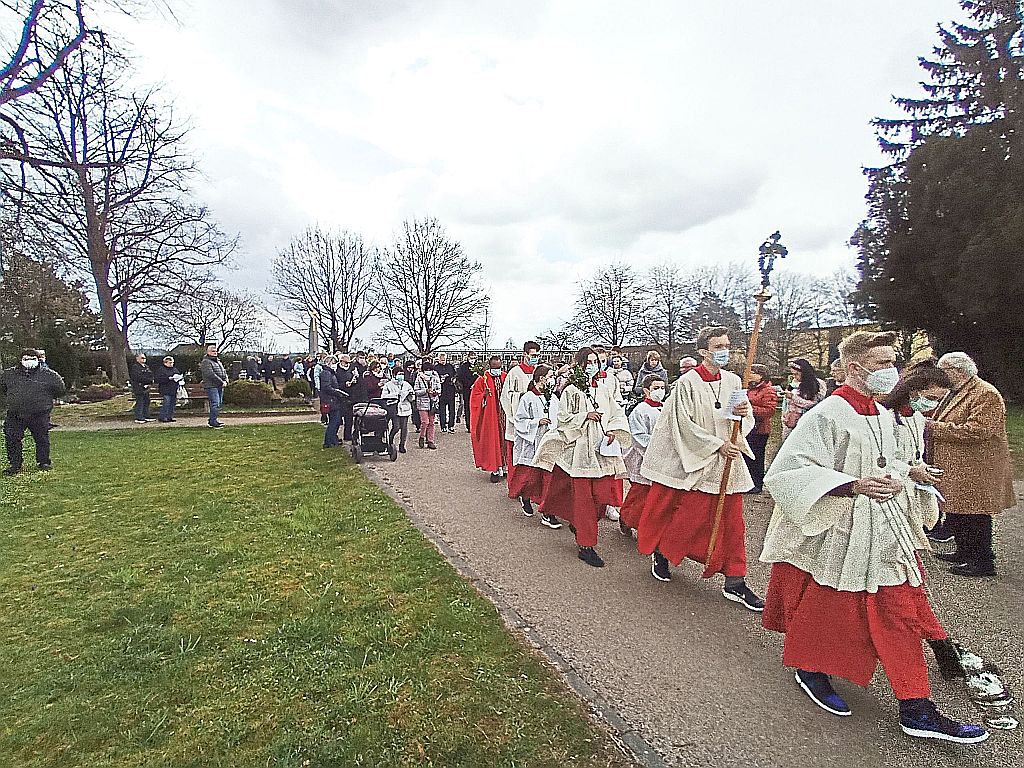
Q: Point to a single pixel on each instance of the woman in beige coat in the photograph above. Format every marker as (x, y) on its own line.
(967, 438)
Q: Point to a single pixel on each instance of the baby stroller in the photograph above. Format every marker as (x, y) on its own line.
(371, 428)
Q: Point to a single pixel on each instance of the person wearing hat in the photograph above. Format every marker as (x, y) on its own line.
(29, 391)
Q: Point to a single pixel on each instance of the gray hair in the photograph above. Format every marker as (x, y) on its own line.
(960, 361)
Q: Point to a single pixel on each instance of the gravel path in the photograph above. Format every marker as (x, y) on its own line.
(188, 421)
(696, 675)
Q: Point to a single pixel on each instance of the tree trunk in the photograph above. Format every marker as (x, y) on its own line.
(116, 346)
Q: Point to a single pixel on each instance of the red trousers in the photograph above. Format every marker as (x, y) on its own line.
(633, 506)
(847, 634)
(528, 482)
(510, 469)
(580, 501)
(678, 524)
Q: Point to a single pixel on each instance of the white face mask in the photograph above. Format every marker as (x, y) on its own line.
(720, 357)
(399, 377)
(923, 404)
(495, 371)
(592, 369)
(882, 381)
(29, 364)
(657, 395)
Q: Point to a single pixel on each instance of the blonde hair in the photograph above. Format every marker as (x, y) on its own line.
(855, 346)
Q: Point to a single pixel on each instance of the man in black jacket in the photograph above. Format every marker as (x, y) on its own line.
(348, 380)
(334, 398)
(447, 373)
(140, 376)
(214, 378)
(29, 391)
(464, 380)
(168, 379)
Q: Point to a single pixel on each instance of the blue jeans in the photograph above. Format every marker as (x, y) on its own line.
(215, 397)
(167, 403)
(333, 423)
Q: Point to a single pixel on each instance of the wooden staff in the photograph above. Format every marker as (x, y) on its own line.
(770, 250)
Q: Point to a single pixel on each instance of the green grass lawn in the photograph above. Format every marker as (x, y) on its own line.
(240, 598)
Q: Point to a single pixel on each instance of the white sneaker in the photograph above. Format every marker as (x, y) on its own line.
(140, 421)
(612, 513)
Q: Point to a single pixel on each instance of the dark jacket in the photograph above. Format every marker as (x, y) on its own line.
(269, 367)
(140, 376)
(252, 369)
(373, 385)
(644, 372)
(465, 377)
(447, 374)
(30, 392)
(330, 394)
(212, 373)
(165, 385)
(348, 383)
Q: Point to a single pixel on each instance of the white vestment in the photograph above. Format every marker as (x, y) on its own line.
(851, 544)
(641, 424)
(517, 381)
(572, 444)
(683, 452)
(529, 430)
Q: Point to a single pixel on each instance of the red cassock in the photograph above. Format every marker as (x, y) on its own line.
(487, 423)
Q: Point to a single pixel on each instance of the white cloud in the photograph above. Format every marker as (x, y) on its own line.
(550, 137)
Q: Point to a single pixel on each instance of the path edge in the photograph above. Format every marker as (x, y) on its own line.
(626, 738)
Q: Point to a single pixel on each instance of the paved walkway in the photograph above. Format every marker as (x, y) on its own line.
(697, 676)
(188, 421)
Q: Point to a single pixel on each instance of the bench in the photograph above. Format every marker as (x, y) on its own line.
(195, 393)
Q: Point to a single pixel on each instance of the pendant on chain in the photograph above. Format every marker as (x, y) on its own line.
(882, 462)
(717, 404)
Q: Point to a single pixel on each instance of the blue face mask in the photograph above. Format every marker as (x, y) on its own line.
(592, 369)
(534, 360)
(399, 377)
(720, 357)
(495, 372)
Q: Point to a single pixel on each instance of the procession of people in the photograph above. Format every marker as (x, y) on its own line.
(855, 484)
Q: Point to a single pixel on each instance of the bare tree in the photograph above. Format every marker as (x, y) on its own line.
(672, 299)
(794, 310)
(212, 315)
(609, 305)
(117, 152)
(566, 338)
(331, 277)
(429, 294)
(161, 253)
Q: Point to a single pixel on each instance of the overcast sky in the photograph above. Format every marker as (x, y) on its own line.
(548, 137)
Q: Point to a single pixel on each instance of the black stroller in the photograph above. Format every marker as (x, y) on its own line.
(371, 428)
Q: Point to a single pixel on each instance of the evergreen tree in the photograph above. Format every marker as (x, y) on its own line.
(942, 249)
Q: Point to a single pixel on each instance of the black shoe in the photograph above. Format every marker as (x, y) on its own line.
(170, 420)
(431, 446)
(551, 522)
(590, 557)
(11, 471)
(742, 594)
(527, 506)
(659, 567)
(45, 467)
(973, 569)
(422, 441)
(920, 718)
(495, 477)
(572, 529)
(215, 426)
(953, 557)
(948, 659)
(625, 530)
(819, 688)
(401, 449)
(939, 535)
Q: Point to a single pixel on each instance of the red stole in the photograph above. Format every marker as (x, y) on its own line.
(707, 375)
(865, 405)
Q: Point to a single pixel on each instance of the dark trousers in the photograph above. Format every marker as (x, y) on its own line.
(465, 407)
(416, 419)
(38, 424)
(973, 534)
(758, 444)
(167, 405)
(333, 422)
(346, 418)
(447, 409)
(400, 426)
(141, 406)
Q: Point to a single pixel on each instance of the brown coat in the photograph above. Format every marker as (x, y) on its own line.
(968, 440)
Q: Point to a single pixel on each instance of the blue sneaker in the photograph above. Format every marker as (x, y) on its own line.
(819, 688)
(920, 718)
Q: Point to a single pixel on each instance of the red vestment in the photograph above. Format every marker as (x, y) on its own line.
(847, 634)
(487, 423)
(580, 501)
(528, 482)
